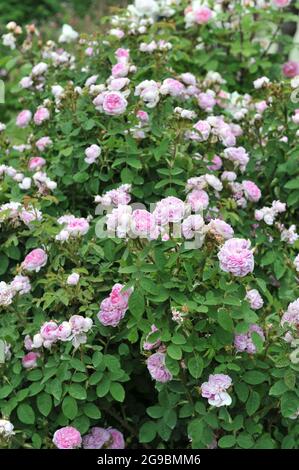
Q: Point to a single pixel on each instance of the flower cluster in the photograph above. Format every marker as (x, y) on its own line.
(51, 332)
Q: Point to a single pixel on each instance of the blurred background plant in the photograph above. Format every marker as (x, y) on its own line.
(53, 13)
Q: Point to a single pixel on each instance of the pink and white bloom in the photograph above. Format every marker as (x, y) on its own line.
(43, 143)
(29, 361)
(35, 260)
(251, 190)
(236, 257)
(36, 163)
(215, 390)
(73, 279)
(67, 438)
(92, 153)
(290, 69)
(41, 115)
(23, 118)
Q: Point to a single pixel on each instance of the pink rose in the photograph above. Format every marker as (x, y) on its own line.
(35, 260)
(49, 330)
(198, 199)
(43, 143)
(290, 69)
(251, 190)
(114, 103)
(29, 361)
(143, 225)
(35, 163)
(64, 331)
(67, 438)
(236, 257)
(202, 15)
(281, 3)
(120, 70)
(23, 118)
(216, 163)
(122, 54)
(41, 114)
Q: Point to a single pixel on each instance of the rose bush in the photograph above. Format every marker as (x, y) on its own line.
(149, 255)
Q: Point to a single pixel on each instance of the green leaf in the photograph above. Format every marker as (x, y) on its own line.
(254, 377)
(257, 341)
(3, 264)
(290, 379)
(25, 413)
(147, 432)
(195, 366)
(5, 391)
(69, 407)
(155, 411)
(289, 404)
(174, 351)
(44, 403)
(253, 403)
(136, 304)
(117, 391)
(245, 441)
(226, 442)
(103, 387)
(92, 411)
(77, 391)
(279, 388)
(225, 320)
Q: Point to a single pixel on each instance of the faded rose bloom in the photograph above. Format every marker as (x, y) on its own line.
(281, 3)
(21, 284)
(67, 438)
(157, 368)
(148, 345)
(243, 342)
(97, 438)
(215, 390)
(216, 163)
(116, 439)
(254, 298)
(193, 225)
(220, 228)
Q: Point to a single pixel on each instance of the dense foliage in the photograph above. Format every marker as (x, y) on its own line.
(149, 254)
